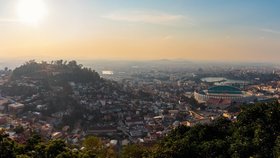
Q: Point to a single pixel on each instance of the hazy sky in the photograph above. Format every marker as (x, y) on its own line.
(235, 30)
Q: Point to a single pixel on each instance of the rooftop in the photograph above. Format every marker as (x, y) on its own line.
(224, 90)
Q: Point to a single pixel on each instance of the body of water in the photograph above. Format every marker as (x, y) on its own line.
(222, 81)
(214, 79)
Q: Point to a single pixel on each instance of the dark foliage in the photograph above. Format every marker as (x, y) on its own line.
(36, 148)
(57, 70)
(255, 134)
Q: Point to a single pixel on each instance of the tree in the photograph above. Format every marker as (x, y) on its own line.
(33, 141)
(69, 154)
(133, 151)
(54, 148)
(7, 146)
(276, 149)
(22, 156)
(93, 145)
(40, 151)
(72, 64)
(256, 133)
(59, 62)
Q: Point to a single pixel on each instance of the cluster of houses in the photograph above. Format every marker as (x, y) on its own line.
(138, 111)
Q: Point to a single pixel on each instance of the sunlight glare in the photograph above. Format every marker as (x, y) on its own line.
(31, 12)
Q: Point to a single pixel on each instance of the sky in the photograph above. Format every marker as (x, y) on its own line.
(202, 30)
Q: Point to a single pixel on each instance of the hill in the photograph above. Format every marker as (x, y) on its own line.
(63, 90)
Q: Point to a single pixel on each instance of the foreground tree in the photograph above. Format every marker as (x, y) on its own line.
(256, 133)
(135, 151)
(95, 146)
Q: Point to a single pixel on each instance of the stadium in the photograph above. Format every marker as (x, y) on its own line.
(221, 93)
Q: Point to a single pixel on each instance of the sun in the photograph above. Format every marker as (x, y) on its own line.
(31, 12)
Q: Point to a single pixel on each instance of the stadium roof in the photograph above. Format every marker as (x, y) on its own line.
(224, 90)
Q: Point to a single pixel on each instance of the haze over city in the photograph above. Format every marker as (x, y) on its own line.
(139, 78)
(216, 30)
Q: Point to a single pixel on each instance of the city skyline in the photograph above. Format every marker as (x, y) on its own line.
(141, 30)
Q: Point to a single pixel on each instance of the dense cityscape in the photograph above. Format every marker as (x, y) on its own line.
(134, 105)
(139, 79)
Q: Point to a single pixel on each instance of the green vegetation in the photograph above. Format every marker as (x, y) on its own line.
(49, 84)
(35, 147)
(256, 133)
(94, 146)
(46, 76)
(59, 70)
(135, 151)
